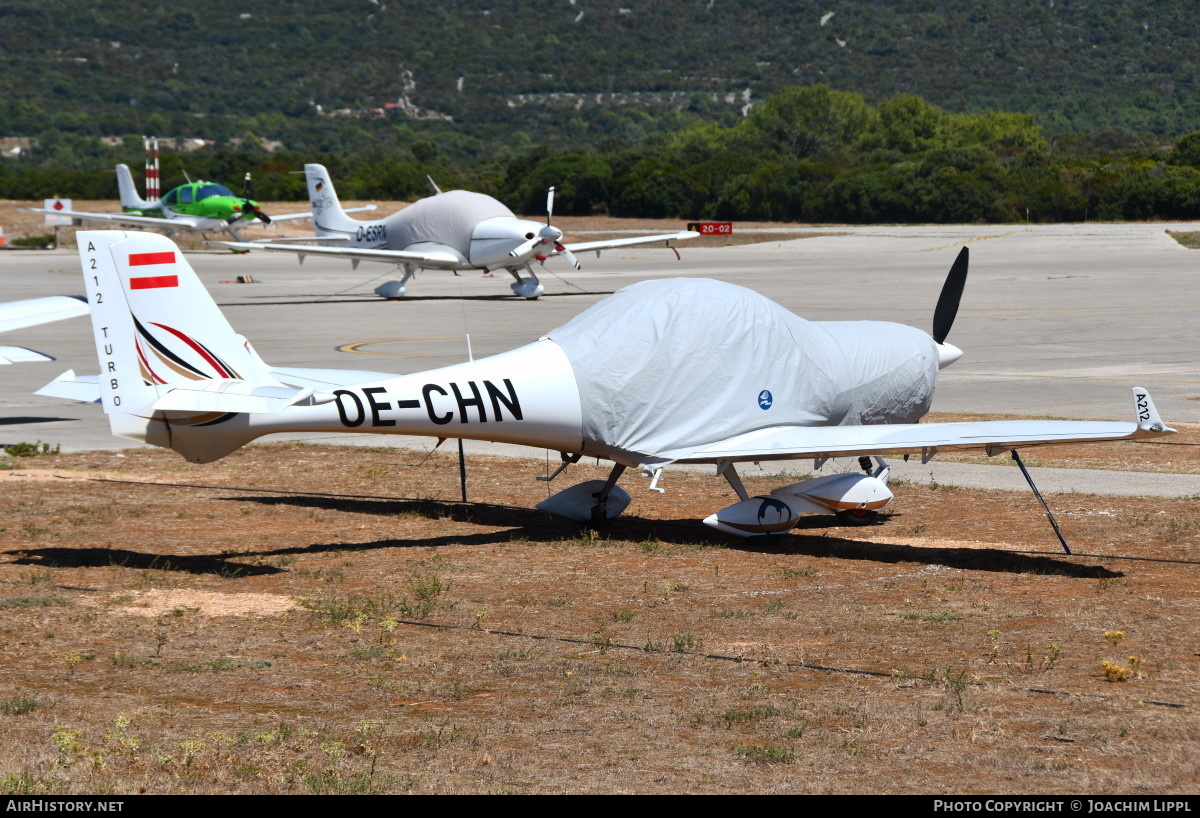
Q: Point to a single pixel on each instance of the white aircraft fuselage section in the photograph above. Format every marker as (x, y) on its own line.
(491, 244)
(526, 396)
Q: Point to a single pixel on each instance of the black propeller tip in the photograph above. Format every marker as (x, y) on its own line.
(952, 290)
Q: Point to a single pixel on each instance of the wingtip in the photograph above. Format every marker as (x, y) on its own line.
(1148, 419)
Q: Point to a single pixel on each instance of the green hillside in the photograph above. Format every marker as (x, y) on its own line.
(542, 64)
(980, 110)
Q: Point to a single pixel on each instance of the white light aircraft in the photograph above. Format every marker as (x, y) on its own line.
(456, 230)
(661, 372)
(30, 313)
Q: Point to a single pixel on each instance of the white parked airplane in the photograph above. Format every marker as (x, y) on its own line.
(455, 230)
(662, 372)
(30, 313)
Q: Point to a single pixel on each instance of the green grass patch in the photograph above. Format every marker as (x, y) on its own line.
(19, 705)
(767, 753)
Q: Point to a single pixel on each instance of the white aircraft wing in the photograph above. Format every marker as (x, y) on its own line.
(597, 246)
(293, 239)
(181, 221)
(291, 217)
(430, 259)
(992, 437)
(34, 311)
(21, 355)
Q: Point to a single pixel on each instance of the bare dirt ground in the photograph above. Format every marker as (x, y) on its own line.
(299, 619)
(18, 224)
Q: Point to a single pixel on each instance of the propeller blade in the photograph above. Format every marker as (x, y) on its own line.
(952, 290)
(246, 192)
(549, 204)
(248, 207)
(568, 255)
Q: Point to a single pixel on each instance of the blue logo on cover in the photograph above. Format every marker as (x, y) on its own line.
(765, 400)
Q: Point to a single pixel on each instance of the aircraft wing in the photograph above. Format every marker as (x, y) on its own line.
(291, 217)
(430, 259)
(179, 222)
(597, 246)
(926, 439)
(293, 239)
(21, 355)
(34, 311)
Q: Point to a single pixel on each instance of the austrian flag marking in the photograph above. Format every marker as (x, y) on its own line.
(144, 259)
(152, 282)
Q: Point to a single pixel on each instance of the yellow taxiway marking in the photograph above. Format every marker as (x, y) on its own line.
(968, 241)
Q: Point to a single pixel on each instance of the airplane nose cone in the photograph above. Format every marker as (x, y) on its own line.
(551, 233)
(947, 354)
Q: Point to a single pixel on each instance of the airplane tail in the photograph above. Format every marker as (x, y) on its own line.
(329, 218)
(173, 372)
(130, 200)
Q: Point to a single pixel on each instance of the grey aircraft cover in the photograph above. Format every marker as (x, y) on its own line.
(667, 367)
(447, 218)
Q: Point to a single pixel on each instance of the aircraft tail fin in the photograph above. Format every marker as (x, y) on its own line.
(329, 218)
(157, 330)
(130, 200)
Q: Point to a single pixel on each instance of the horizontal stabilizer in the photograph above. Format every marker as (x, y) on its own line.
(69, 386)
(326, 378)
(236, 396)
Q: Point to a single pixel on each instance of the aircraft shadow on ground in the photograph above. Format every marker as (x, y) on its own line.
(124, 558)
(22, 420)
(514, 524)
(527, 524)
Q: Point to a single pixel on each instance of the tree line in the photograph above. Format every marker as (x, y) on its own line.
(810, 154)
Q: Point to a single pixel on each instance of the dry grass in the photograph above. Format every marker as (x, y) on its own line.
(436, 647)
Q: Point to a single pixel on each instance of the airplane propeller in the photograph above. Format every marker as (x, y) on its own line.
(947, 308)
(952, 290)
(547, 235)
(248, 205)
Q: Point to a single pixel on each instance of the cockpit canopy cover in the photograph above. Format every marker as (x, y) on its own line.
(713, 357)
(447, 218)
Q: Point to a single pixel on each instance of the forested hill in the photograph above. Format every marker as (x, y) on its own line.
(549, 66)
